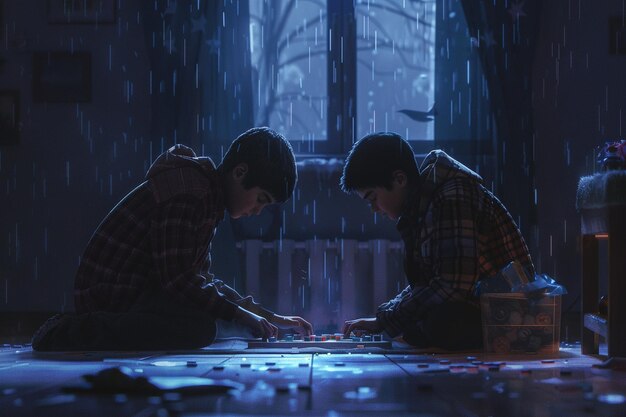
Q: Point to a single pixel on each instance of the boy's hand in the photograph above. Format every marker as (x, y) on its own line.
(293, 322)
(363, 325)
(259, 326)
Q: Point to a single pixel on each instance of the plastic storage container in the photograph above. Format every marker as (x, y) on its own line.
(514, 323)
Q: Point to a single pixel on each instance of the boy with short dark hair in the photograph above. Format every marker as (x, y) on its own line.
(143, 282)
(455, 233)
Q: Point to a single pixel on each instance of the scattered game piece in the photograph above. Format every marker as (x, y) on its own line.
(547, 361)
(340, 364)
(192, 364)
(422, 365)
(271, 339)
(274, 369)
(303, 365)
(270, 363)
(218, 367)
(245, 365)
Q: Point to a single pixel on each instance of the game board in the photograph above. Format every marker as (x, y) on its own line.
(336, 341)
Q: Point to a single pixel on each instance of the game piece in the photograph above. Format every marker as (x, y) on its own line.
(271, 339)
(270, 363)
(245, 365)
(218, 368)
(192, 364)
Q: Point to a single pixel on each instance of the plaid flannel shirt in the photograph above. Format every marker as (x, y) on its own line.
(455, 233)
(159, 235)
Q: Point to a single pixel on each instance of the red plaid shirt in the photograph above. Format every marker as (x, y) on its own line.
(455, 233)
(159, 235)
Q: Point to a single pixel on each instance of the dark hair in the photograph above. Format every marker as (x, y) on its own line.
(373, 159)
(270, 159)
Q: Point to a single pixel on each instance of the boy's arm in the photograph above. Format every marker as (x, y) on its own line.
(394, 301)
(248, 303)
(454, 247)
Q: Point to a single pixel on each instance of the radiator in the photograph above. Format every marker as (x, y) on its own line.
(324, 281)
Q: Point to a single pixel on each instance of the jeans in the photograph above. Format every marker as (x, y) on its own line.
(157, 321)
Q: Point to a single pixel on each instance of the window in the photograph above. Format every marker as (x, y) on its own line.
(329, 72)
(395, 67)
(288, 44)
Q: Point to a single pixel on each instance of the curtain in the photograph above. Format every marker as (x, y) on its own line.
(505, 32)
(200, 78)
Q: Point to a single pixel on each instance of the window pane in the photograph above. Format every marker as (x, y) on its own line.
(396, 67)
(288, 48)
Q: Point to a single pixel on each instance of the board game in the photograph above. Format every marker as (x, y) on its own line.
(336, 341)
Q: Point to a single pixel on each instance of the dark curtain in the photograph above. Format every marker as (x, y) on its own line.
(201, 84)
(201, 79)
(506, 33)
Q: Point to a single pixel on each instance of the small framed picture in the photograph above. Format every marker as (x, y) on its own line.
(61, 77)
(9, 117)
(81, 11)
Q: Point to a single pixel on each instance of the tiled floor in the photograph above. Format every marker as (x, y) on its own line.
(316, 382)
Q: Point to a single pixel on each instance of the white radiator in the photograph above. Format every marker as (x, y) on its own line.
(325, 281)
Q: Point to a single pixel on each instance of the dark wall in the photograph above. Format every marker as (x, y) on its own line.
(579, 102)
(73, 160)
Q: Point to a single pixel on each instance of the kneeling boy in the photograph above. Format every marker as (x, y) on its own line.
(455, 233)
(143, 282)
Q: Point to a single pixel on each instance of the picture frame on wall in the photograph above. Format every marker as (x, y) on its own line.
(61, 77)
(81, 11)
(9, 117)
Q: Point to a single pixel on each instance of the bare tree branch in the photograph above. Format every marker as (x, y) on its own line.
(367, 64)
(294, 33)
(399, 13)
